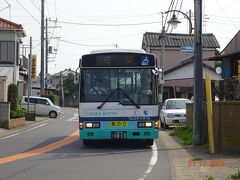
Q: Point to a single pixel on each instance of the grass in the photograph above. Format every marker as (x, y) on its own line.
(210, 178)
(196, 159)
(184, 134)
(235, 176)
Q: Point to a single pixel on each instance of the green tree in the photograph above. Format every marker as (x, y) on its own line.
(70, 89)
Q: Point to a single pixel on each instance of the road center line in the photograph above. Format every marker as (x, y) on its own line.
(152, 162)
(68, 140)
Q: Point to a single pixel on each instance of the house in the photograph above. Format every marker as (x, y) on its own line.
(177, 62)
(12, 66)
(229, 63)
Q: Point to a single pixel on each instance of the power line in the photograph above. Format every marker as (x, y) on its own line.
(86, 44)
(27, 11)
(38, 8)
(92, 24)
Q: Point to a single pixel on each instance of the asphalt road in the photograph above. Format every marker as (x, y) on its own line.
(48, 152)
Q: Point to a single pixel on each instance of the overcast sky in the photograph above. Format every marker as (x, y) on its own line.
(83, 25)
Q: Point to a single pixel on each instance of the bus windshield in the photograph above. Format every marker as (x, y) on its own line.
(127, 86)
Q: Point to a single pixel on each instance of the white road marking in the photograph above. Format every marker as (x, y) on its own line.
(74, 118)
(12, 135)
(152, 162)
(35, 127)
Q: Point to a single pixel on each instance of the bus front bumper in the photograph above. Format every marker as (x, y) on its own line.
(118, 134)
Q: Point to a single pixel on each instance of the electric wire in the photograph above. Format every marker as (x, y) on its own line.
(93, 24)
(27, 11)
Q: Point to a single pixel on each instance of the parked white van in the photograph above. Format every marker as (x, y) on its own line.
(44, 106)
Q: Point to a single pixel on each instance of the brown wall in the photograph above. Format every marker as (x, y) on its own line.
(173, 56)
(226, 124)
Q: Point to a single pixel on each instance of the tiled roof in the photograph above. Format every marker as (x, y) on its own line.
(176, 40)
(5, 24)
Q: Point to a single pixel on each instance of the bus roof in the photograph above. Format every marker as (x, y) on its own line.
(117, 51)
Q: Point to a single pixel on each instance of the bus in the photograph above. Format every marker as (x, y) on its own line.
(125, 106)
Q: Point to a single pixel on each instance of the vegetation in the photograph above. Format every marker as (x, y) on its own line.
(54, 98)
(196, 159)
(235, 176)
(13, 98)
(209, 178)
(184, 134)
(70, 89)
(17, 113)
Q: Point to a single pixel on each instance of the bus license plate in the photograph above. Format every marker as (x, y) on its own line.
(119, 135)
(119, 123)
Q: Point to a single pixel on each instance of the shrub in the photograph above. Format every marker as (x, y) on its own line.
(17, 113)
(13, 96)
(54, 98)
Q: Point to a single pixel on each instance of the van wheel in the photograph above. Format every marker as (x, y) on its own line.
(53, 114)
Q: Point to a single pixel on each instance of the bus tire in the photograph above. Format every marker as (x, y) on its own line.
(86, 142)
(149, 142)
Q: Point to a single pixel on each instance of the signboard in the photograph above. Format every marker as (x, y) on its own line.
(34, 65)
(187, 50)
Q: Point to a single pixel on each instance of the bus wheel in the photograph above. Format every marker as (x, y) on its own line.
(149, 142)
(86, 142)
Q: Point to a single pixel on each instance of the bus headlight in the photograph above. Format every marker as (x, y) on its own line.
(148, 124)
(144, 124)
(92, 125)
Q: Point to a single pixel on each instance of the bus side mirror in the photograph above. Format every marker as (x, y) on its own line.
(159, 72)
(76, 77)
(161, 77)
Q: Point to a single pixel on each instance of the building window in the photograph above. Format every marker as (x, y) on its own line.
(7, 52)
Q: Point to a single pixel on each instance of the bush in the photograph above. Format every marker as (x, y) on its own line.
(13, 96)
(54, 98)
(17, 113)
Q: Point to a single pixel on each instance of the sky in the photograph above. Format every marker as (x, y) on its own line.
(76, 27)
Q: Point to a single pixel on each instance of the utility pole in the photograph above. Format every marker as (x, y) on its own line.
(42, 50)
(30, 70)
(62, 91)
(198, 106)
(46, 51)
(162, 58)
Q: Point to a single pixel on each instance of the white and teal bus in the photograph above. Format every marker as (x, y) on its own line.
(125, 106)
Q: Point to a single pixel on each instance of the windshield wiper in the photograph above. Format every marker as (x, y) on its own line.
(113, 92)
(130, 99)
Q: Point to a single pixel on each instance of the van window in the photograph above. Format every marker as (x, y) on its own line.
(42, 101)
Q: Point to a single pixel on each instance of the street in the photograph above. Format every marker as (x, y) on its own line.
(53, 151)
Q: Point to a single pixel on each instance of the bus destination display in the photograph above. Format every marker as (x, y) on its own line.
(115, 60)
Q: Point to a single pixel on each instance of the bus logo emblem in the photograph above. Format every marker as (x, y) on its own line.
(144, 60)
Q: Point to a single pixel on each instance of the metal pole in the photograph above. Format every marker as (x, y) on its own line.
(42, 50)
(46, 50)
(198, 74)
(29, 73)
(30, 69)
(62, 92)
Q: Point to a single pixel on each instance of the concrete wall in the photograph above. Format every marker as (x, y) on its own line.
(226, 123)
